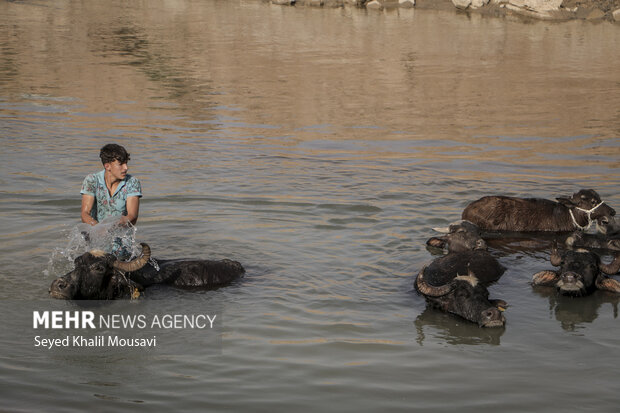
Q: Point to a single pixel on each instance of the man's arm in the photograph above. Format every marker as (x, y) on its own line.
(133, 209)
(87, 205)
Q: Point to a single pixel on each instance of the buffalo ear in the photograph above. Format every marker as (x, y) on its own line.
(500, 304)
(567, 202)
(436, 242)
(545, 278)
(608, 284)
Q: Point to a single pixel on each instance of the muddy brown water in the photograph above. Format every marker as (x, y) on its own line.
(319, 147)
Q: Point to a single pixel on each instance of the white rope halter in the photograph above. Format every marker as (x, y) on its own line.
(588, 214)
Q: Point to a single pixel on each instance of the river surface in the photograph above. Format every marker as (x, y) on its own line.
(318, 147)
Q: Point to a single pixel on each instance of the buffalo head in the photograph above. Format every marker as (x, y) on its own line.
(460, 237)
(580, 273)
(579, 239)
(586, 207)
(464, 296)
(99, 276)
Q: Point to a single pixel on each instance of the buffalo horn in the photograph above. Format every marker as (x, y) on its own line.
(431, 290)
(556, 259)
(608, 284)
(136, 263)
(612, 267)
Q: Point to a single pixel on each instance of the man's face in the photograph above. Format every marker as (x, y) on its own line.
(117, 169)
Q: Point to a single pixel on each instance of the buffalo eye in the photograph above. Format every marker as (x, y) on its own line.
(98, 267)
(463, 293)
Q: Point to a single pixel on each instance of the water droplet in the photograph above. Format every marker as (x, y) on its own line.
(154, 263)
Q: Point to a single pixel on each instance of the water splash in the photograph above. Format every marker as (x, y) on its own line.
(107, 236)
(154, 263)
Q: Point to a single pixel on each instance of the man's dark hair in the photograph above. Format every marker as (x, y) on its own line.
(113, 152)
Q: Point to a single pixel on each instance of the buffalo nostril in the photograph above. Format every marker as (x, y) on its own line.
(491, 314)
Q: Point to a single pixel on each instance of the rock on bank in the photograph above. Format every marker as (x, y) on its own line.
(538, 9)
(369, 4)
(547, 9)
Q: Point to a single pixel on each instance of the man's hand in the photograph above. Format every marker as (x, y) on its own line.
(133, 209)
(87, 205)
(124, 221)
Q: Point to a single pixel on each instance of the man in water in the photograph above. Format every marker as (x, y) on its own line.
(111, 192)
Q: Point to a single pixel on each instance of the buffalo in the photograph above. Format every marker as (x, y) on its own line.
(460, 237)
(578, 212)
(579, 239)
(457, 282)
(454, 333)
(101, 276)
(580, 273)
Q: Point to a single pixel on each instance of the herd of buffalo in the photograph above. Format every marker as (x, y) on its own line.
(456, 282)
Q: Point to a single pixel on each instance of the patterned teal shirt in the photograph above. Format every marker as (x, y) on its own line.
(105, 205)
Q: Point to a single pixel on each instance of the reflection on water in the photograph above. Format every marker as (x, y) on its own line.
(573, 312)
(319, 147)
